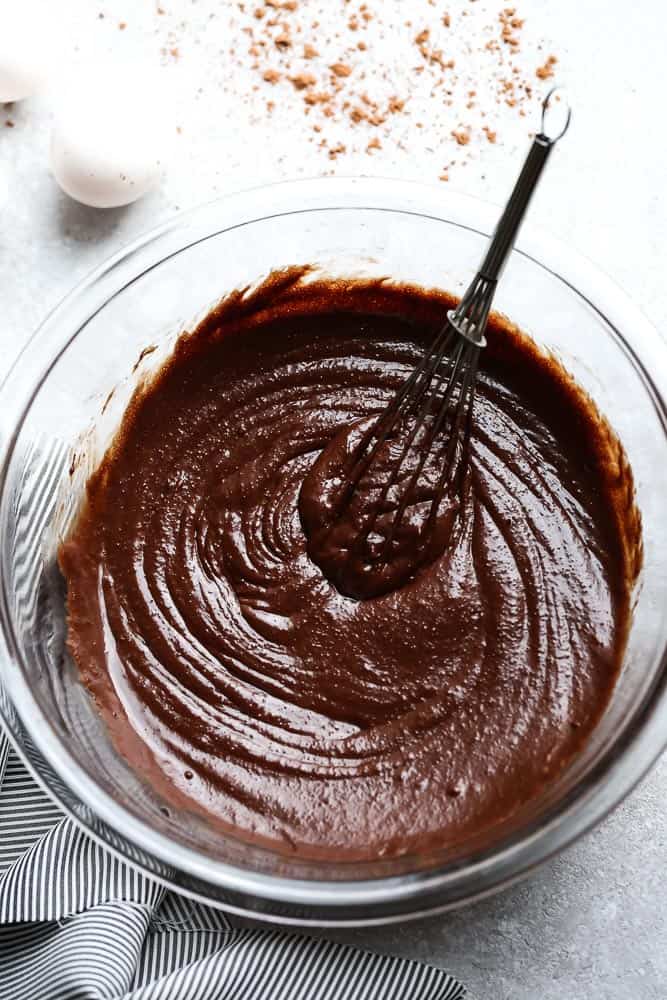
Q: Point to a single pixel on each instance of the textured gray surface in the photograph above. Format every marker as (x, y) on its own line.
(592, 924)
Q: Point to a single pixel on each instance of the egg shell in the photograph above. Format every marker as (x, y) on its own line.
(106, 150)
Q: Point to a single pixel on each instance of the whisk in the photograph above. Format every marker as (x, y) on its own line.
(391, 507)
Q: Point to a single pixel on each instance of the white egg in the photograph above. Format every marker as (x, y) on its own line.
(28, 46)
(107, 146)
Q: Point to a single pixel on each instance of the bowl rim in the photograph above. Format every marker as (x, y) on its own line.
(611, 778)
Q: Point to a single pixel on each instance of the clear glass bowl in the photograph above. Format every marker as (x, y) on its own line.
(62, 402)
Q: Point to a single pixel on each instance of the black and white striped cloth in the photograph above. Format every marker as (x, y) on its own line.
(78, 924)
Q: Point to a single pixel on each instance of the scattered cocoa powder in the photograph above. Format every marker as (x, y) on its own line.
(340, 69)
(462, 135)
(303, 80)
(335, 151)
(547, 70)
(346, 76)
(510, 24)
(317, 97)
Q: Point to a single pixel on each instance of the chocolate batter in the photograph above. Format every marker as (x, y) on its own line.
(371, 532)
(240, 682)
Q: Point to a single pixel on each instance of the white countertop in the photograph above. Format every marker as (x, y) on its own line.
(593, 923)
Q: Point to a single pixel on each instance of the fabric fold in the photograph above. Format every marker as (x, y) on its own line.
(77, 923)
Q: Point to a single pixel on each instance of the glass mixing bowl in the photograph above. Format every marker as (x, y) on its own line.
(62, 402)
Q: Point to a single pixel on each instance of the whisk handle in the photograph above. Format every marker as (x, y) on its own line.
(555, 121)
(510, 222)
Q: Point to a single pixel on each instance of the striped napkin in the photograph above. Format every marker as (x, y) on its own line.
(78, 924)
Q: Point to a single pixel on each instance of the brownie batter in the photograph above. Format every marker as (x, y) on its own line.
(238, 679)
(387, 494)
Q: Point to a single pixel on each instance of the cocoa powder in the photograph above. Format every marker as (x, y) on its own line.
(370, 79)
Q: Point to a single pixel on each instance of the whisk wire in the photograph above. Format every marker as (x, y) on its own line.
(429, 420)
(457, 362)
(425, 373)
(463, 412)
(383, 428)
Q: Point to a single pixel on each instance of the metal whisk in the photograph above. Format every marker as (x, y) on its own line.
(393, 507)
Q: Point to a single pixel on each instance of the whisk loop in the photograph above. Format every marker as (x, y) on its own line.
(384, 499)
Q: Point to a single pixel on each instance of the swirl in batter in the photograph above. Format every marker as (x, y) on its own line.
(240, 682)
